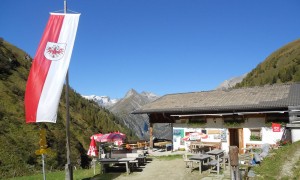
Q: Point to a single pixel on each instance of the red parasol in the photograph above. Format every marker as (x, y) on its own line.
(93, 151)
(112, 137)
(97, 137)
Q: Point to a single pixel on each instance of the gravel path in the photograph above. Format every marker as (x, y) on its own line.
(168, 169)
(161, 169)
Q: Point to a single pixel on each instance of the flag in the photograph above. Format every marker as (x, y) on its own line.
(49, 68)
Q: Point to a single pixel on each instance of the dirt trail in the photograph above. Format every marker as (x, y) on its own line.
(287, 168)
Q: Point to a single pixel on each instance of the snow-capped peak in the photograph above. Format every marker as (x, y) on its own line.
(149, 95)
(130, 93)
(103, 101)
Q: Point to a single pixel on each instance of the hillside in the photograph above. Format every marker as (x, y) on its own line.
(281, 66)
(20, 140)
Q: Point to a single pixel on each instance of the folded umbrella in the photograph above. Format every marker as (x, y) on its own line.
(93, 151)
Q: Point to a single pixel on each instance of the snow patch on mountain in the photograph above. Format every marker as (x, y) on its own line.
(149, 95)
(103, 101)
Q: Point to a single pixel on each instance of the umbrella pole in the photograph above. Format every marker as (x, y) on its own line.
(94, 165)
(43, 162)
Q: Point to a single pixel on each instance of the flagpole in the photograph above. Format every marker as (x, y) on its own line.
(43, 162)
(68, 166)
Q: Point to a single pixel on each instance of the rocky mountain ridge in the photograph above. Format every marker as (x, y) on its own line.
(230, 83)
(139, 123)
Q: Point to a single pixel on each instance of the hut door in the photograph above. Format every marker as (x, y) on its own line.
(236, 138)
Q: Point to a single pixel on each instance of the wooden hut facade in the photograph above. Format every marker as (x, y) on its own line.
(240, 113)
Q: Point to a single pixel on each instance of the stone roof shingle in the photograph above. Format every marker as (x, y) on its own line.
(258, 98)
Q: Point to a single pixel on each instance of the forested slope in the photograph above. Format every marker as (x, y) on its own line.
(18, 140)
(280, 67)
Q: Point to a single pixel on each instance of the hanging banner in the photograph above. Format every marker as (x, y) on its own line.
(276, 127)
(49, 68)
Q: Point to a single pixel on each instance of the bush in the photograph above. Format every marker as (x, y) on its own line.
(255, 138)
(283, 142)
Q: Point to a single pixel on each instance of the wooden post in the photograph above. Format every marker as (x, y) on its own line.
(151, 135)
(234, 162)
(172, 137)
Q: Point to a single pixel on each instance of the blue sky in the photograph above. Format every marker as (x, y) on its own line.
(161, 46)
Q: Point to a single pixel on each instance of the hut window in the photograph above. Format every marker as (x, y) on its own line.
(255, 134)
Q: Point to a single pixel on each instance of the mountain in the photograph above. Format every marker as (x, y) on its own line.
(282, 66)
(139, 123)
(103, 101)
(123, 108)
(227, 84)
(19, 140)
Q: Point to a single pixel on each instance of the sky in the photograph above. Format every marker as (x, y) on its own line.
(159, 46)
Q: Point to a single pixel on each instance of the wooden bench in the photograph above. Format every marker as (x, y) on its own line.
(188, 163)
(105, 162)
(140, 159)
(213, 145)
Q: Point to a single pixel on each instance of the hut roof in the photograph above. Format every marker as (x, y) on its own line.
(259, 98)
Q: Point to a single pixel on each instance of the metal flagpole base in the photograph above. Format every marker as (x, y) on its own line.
(43, 161)
(69, 171)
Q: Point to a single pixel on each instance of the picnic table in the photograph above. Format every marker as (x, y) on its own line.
(201, 158)
(217, 153)
(208, 145)
(200, 147)
(107, 161)
(140, 158)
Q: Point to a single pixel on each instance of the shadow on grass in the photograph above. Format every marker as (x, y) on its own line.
(104, 176)
(148, 160)
(113, 172)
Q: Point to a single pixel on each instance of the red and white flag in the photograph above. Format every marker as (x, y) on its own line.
(49, 68)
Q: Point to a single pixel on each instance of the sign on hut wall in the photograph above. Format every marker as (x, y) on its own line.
(276, 127)
(224, 135)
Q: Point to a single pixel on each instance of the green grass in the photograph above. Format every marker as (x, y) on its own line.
(169, 157)
(87, 174)
(296, 169)
(77, 174)
(81, 174)
(270, 168)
